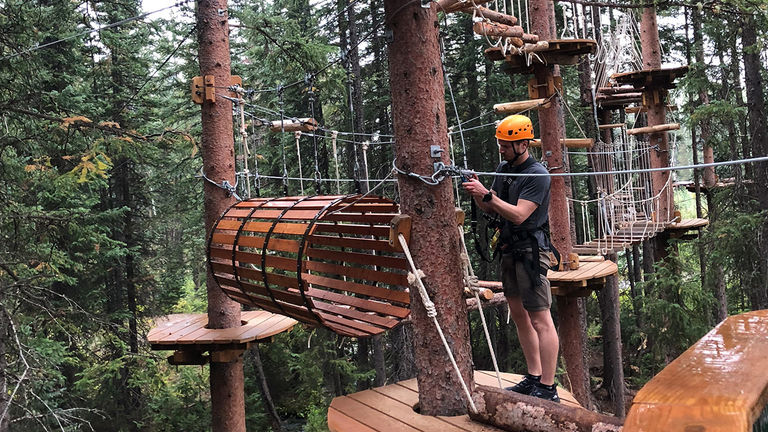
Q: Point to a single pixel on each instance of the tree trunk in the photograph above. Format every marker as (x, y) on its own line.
(226, 379)
(613, 365)
(274, 417)
(379, 364)
(418, 101)
(759, 138)
(4, 395)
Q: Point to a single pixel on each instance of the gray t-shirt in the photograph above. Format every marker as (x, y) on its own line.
(534, 189)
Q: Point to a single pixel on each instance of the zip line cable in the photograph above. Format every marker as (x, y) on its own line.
(86, 32)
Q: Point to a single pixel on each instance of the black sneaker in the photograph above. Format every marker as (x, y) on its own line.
(525, 386)
(545, 392)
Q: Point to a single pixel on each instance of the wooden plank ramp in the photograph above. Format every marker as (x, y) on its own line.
(391, 408)
(181, 331)
(719, 384)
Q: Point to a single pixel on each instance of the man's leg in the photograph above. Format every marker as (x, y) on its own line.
(526, 333)
(546, 334)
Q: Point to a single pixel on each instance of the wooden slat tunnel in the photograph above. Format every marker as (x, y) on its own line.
(322, 260)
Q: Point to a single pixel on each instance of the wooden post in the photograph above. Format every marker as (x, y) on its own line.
(570, 312)
(226, 379)
(418, 102)
(657, 115)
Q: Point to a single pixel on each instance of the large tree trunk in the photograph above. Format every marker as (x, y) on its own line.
(759, 138)
(226, 379)
(613, 366)
(418, 101)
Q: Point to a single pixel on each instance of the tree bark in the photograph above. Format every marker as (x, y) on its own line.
(4, 395)
(613, 365)
(226, 379)
(517, 412)
(274, 417)
(759, 138)
(418, 101)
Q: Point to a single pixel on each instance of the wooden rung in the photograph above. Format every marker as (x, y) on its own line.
(619, 96)
(492, 15)
(569, 142)
(641, 109)
(492, 29)
(611, 126)
(654, 129)
(518, 106)
(449, 6)
(622, 89)
(294, 125)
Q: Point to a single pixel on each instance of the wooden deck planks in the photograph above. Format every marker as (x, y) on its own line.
(188, 329)
(390, 408)
(718, 383)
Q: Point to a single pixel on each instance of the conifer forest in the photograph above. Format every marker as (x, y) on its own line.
(102, 203)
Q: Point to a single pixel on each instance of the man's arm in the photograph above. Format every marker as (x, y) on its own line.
(517, 214)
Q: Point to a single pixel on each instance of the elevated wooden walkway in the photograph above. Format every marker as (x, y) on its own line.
(559, 51)
(391, 408)
(190, 331)
(719, 384)
(637, 232)
(651, 78)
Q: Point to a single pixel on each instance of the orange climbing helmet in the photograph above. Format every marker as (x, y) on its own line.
(515, 127)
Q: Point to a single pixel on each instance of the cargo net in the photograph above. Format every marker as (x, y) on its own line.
(322, 260)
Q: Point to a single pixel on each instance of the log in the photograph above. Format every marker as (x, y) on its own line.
(622, 89)
(654, 129)
(517, 412)
(609, 97)
(492, 15)
(497, 299)
(491, 29)
(294, 125)
(611, 126)
(449, 6)
(641, 109)
(485, 293)
(518, 106)
(569, 142)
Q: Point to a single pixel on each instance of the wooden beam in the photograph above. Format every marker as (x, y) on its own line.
(622, 89)
(640, 109)
(518, 106)
(569, 142)
(294, 125)
(518, 412)
(611, 126)
(492, 29)
(449, 6)
(654, 129)
(492, 15)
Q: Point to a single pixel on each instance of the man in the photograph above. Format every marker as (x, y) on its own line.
(523, 204)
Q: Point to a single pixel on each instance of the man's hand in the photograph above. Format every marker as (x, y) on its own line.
(474, 187)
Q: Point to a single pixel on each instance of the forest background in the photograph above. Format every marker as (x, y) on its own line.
(101, 225)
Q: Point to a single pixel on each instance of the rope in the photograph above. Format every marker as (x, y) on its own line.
(297, 135)
(471, 281)
(415, 278)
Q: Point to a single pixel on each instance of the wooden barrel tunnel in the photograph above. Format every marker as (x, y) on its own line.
(322, 260)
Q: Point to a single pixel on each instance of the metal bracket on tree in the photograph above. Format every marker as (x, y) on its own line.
(203, 89)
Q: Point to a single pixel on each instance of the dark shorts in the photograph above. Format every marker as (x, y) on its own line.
(517, 282)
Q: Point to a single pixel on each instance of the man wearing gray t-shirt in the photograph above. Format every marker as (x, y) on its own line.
(523, 204)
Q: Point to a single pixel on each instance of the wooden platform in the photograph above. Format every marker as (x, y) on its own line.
(651, 78)
(581, 282)
(720, 184)
(719, 384)
(390, 408)
(185, 331)
(560, 51)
